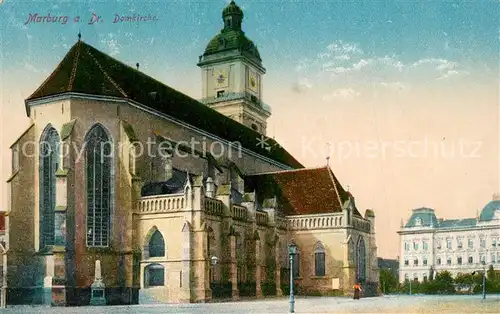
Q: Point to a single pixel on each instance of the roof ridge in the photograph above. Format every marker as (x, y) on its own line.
(288, 170)
(106, 74)
(330, 172)
(75, 66)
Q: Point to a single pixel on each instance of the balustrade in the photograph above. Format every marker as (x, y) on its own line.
(161, 204)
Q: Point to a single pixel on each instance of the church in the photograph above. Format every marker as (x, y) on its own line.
(125, 191)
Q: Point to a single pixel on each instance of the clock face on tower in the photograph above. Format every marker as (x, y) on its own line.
(221, 79)
(253, 82)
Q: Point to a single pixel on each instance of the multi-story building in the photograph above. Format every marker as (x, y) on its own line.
(124, 184)
(430, 245)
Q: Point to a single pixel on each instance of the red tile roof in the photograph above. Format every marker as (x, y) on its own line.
(306, 191)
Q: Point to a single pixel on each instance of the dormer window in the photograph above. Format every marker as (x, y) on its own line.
(418, 222)
(220, 93)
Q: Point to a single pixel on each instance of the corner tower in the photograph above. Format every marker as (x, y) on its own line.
(232, 74)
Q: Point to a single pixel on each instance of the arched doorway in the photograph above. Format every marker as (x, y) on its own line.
(360, 260)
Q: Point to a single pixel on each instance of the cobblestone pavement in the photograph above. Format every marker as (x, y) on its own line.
(385, 304)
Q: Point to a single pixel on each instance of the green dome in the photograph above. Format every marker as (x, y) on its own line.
(488, 212)
(232, 36)
(230, 39)
(232, 9)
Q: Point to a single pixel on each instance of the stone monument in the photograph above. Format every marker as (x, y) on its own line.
(98, 296)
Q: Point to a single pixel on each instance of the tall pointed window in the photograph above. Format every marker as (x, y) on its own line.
(49, 161)
(99, 151)
(361, 260)
(319, 259)
(156, 245)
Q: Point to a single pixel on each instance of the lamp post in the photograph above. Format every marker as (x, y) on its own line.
(292, 251)
(484, 281)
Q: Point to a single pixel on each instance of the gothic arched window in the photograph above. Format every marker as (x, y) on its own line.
(319, 260)
(156, 245)
(49, 162)
(360, 260)
(98, 154)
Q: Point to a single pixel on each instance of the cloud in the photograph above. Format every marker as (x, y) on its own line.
(111, 43)
(444, 67)
(301, 86)
(345, 93)
(396, 86)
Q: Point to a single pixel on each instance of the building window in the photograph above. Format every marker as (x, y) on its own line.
(459, 243)
(459, 260)
(99, 158)
(415, 277)
(425, 245)
(498, 258)
(483, 259)
(493, 242)
(424, 261)
(49, 161)
(471, 243)
(448, 261)
(406, 262)
(448, 244)
(406, 277)
(439, 244)
(254, 127)
(438, 261)
(483, 242)
(425, 277)
(493, 258)
(418, 222)
(407, 246)
(15, 158)
(220, 93)
(155, 275)
(361, 260)
(156, 245)
(415, 262)
(319, 258)
(415, 245)
(471, 260)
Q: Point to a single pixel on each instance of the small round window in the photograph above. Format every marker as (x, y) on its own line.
(254, 127)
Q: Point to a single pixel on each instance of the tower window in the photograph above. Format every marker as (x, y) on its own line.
(220, 93)
(254, 127)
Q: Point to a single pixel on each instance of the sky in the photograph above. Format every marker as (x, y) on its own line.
(402, 96)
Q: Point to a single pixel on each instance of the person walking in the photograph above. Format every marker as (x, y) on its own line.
(357, 291)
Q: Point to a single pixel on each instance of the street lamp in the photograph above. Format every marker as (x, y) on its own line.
(292, 251)
(214, 260)
(484, 279)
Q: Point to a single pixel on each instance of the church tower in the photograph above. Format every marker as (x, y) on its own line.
(232, 74)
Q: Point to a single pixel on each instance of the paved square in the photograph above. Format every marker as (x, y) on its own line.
(385, 304)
